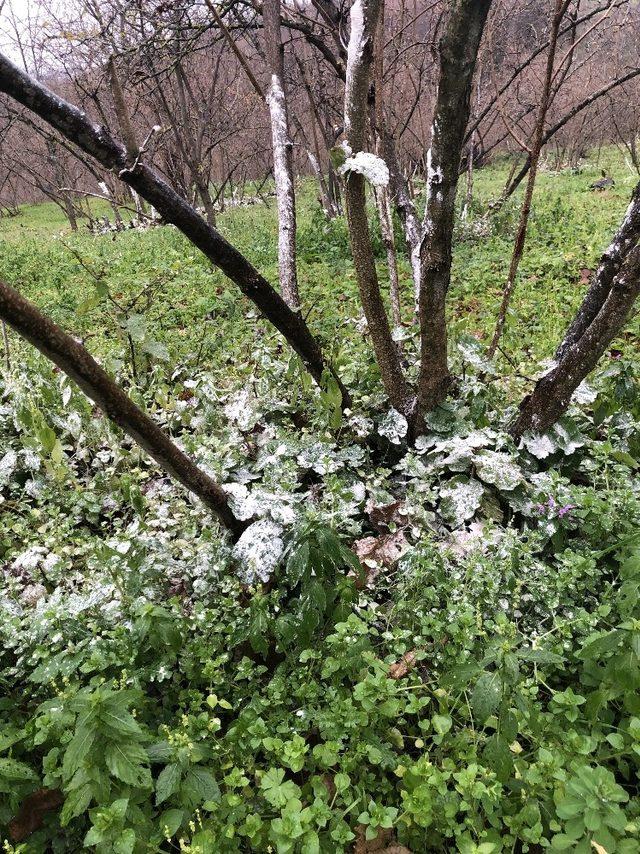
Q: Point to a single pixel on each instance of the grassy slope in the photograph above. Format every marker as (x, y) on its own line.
(570, 227)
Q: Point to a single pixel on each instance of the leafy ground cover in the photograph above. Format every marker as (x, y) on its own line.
(427, 649)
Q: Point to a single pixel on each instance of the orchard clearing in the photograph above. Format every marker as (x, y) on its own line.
(429, 648)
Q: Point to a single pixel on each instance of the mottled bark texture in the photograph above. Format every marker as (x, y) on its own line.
(282, 153)
(458, 54)
(364, 16)
(601, 317)
(608, 269)
(96, 141)
(406, 208)
(72, 358)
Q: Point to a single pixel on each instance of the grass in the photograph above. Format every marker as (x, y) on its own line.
(570, 226)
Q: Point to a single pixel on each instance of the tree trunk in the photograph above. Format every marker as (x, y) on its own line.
(458, 54)
(601, 317)
(364, 14)
(608, 268)
(282, 154)
(552, 394)
(79, 365)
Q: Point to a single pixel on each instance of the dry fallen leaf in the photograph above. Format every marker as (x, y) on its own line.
(376, 553)
(381, 517)
(383, 843)
(402, 667)
(585, 275)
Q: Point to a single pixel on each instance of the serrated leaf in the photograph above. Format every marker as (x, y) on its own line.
(162, 751)
(168, 782)
(76, 802)
(200, 785)
(127, 762)
(78, 748)
(498, 757)
(486, 696)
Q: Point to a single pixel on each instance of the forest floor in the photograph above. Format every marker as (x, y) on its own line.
(469, 684)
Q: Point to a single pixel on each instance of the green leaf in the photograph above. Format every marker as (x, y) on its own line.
(136, 327)
(442, 723)
(78, 748)
(94, 836)
(162, 751)
(127, 761)
(168, 782)
(156, 349)
(276, 789)
(200, 785)
(486, 696)
(11, 769)
(497, 756)
(170, 821)
(76, 802)
(126, 843)
(115, 716)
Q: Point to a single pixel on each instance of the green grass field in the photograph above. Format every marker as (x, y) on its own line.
(569, 228)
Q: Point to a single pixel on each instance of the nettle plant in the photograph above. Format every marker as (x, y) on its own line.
(257, 691)
(473, 689)
(415, 392)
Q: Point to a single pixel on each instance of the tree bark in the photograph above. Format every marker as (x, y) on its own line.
(81, 367)
(282, 153)
(96, 141)
(626, 238)
(458, 54)
(364, 16)
(552, 394)
(602, 315)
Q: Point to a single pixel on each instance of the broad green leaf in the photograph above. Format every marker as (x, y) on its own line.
(485, 696)
(77, 750)
(11, 769)
(127, 761)
(168, 782)
(200, 785)
(170, 821)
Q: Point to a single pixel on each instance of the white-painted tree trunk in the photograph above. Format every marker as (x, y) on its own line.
(282, 155)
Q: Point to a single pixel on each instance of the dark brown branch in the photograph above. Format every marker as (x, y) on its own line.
(72, 358)
(96, 141)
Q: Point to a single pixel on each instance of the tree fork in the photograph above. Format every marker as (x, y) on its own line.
(78, 364)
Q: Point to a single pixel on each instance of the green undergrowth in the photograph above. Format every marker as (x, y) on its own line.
(469, 682)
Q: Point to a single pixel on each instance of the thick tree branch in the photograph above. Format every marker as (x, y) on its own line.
(458, 54)
(96, 141)
(364, 17)
(282, 153)
(601, 317)
(72, 358)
